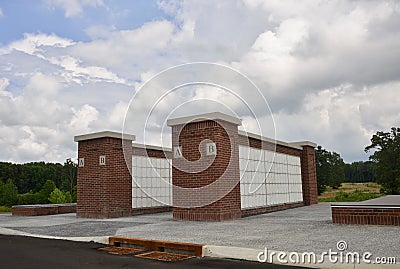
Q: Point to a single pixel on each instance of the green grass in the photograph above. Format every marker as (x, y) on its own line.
(4, 209)
(351, 192)
(355, 196)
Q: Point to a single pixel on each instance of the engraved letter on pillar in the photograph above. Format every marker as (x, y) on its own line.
(178, 152)
(211, 149)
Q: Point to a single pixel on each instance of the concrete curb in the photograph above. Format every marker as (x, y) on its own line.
(96, 239)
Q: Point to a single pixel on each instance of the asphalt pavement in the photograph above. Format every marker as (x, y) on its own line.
(21, 252)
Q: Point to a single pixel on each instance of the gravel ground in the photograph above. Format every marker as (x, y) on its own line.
(301, 229)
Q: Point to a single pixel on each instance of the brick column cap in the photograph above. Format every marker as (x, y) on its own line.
(104, 134)
(204, 117)
(303, 144)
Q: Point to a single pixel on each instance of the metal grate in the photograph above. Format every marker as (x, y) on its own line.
(121, 250)
(164, 256)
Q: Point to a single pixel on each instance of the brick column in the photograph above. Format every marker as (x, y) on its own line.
(308, 173)
(205, 186)
(104, 180)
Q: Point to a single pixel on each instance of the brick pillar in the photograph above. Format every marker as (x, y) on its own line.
(104, 180)
(205, 186)
(308, 173)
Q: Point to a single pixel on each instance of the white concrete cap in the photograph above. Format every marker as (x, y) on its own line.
(142, 146)
(295, 145)
(267, 139)
(203, 117)
(104, 134)
(304, 143)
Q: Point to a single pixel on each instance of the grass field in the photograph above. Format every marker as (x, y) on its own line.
(351, 192)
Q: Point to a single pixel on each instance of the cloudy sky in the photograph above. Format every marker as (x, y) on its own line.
(329, 70)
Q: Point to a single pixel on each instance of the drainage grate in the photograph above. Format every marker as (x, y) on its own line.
(121, 250)
(164, 256)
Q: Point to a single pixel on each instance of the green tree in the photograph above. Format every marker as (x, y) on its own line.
(8, 193)
(57, 197)
(45, 192)
(69, 175)
(330, 169)
(360, 172)
(75, 194)
(386, 155)
(32, 176)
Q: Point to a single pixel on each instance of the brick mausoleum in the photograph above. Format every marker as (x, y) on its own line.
(213, 172)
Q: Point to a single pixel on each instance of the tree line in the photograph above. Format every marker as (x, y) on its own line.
(332, 171)
(383, 166)
(37, 183)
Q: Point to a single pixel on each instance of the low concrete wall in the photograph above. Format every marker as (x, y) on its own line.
(43, 209)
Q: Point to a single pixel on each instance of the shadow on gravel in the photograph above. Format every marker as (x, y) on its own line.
(86, 228)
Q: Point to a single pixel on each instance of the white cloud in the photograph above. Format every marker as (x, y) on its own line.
(74, 7)
(343, 118)
(100, 31)
(329, 70)
(1, 12)
(53, 49)
(37, 43)
(75, 70)
(37, 124)
(83, 117)
(129, 52)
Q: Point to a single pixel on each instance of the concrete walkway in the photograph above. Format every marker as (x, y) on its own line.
(302, 229)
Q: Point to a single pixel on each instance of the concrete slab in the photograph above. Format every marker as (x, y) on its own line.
(384, 201)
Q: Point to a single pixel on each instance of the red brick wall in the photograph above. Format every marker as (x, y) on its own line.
(309, 176)
(152, 153)
(151, 210)
(224, 171)
(366, 216)
(269, 209)
(104, 191)
(41, 210)
(257, 143)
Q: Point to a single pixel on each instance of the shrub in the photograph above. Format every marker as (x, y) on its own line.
(4, 209)
(29, 198)
(57, 197)
(355, 196)
(68, 197)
